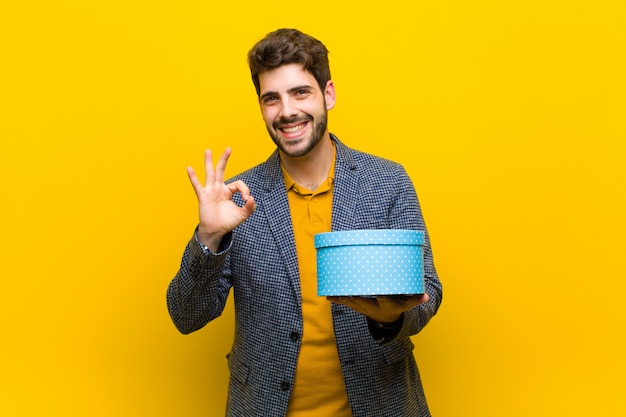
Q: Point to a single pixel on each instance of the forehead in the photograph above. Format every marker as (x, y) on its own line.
(285, 78)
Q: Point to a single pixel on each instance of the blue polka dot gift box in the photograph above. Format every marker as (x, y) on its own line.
(370, 262)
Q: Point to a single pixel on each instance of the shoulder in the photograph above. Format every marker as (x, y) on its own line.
(367, 164)
(260, 174)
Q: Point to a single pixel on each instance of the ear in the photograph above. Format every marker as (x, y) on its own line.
(329, 94)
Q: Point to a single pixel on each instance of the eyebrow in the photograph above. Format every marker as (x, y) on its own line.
(290, 91)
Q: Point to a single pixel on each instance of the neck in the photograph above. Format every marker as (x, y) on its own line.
(312, 169)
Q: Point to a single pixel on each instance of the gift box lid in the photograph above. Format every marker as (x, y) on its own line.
(369, 237)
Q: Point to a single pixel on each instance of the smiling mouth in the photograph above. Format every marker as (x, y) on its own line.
(293, 129)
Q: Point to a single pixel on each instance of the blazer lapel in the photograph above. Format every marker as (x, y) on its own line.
(345, 190)
(276, 208)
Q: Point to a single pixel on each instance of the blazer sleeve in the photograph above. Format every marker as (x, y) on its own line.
(405, 213)
(198, 292)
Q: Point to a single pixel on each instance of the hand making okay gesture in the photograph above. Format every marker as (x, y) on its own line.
(218, 212)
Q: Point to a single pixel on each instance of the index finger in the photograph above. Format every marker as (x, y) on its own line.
(240, 187)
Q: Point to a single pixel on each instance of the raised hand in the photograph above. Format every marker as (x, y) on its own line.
(218, 212)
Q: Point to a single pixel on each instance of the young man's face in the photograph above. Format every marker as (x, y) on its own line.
(294, 108)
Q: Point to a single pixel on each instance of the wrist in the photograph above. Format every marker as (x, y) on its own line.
(210, 240)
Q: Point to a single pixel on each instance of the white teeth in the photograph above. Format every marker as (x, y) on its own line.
(293, 129)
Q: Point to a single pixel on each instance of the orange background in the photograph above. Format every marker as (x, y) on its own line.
(508, 115)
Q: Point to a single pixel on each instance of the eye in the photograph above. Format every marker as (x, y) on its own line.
(302, 92)
(269, 99)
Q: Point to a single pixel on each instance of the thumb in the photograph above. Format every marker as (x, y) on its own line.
(249, 206)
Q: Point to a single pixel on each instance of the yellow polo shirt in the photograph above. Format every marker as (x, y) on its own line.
(319, 389)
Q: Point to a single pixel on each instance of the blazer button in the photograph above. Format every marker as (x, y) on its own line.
(285, 385)
(294, 336)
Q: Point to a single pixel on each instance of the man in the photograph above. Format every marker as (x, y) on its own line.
(295, 353)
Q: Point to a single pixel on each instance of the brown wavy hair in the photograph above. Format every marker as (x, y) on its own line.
(289, 46)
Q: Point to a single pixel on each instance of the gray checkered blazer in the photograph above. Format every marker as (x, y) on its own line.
(258, 261)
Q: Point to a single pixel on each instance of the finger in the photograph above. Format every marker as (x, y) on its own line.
(416, 299)
(360, 304)
(221, 165)
(208, 167)
(249, 203)
(365, 301)
(386, 302)
(249, 207)
(239, 187)
(425, 298)
(195, 182)
(338, 299)
(403, 301)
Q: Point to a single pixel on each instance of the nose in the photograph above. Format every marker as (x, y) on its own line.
(287, 110)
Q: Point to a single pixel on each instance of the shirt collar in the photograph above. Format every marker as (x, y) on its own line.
(325, 186)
